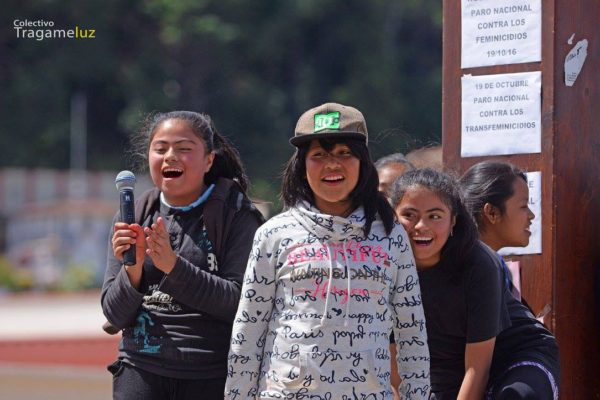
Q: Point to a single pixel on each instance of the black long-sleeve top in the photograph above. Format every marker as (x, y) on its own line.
(179, 325)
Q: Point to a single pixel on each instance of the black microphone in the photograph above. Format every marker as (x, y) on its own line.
(125, 182)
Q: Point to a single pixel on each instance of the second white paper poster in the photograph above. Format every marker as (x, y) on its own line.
(501, 114)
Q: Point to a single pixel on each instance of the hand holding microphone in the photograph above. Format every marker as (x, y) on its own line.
(124, 234)
(157, 240)
(128, 240)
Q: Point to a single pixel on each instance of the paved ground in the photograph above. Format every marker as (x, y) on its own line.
(53, 347)
(29, 382)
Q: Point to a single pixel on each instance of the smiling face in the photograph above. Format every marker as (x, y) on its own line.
(332, 176)
(178, 161)
(428, 222)
(511, 228)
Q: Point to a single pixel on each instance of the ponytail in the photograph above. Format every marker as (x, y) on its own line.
(227, 162)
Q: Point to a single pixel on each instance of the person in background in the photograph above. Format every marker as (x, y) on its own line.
(328, 279)
(176, 304)
(497, 196)
(484, 344)
(427, 157)
(389, 168)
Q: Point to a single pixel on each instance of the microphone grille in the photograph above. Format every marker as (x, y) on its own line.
(125, 180)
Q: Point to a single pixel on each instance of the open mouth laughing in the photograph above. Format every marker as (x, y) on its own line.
(172, 172)
(422, 240)
(333, 179)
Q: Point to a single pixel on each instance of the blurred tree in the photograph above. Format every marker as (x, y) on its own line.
(254, 66)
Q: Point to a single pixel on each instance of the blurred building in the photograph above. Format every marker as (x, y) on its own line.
(51, 221)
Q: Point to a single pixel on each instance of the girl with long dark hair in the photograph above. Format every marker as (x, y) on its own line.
(329, 279)
(497, 196)
(483, 341)
(193, 233)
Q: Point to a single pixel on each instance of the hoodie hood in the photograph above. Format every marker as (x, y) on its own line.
(327, 227)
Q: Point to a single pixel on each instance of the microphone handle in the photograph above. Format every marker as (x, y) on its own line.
(128, 216)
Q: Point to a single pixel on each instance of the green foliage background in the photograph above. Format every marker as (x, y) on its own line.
(254, 66)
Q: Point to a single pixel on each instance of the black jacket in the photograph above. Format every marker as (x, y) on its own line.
(179, 325)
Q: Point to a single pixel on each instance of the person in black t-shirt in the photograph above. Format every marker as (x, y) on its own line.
(497, 196)
(482, 341)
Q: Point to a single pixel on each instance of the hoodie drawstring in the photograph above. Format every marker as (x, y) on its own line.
(349, 284)
(329, 283)
(328, 293)
(330, 231)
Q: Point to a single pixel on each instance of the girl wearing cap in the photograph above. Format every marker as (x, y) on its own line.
(483, 342)
(329, 279)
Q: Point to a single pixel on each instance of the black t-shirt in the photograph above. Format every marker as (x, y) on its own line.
(473, 308)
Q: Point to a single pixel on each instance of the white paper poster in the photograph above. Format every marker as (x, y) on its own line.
(534, 181)
(496, 32)
(501, 114)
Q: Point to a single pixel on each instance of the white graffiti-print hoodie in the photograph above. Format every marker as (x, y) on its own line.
(318, 303)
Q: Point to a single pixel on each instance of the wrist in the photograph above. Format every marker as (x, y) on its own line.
(170, 266)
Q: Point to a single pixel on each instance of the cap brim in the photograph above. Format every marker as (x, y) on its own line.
(302, 139)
